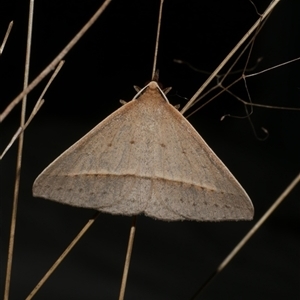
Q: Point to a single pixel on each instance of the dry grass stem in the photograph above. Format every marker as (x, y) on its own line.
(63, 255)
(232, 52)
(157, 38)
(19, 158)
(55, 61)
(247, 237)
(272, 68)
(35, 110)
(10, 25)
(128, 257)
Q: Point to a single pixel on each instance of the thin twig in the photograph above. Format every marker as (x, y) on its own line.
(221, 77)
(229, 71)
(20, 130)
(255, 8)
(63, 255)
(226, 89)
(238, 247)
(55, 61)
(157, 39)
(232, 52)
(215, 96)
(271, 68)
(189, 65)
(128, 257)
(10, 25)
(19, 157)
(36, 108)
(13, 139)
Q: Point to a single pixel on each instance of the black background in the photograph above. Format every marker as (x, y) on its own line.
(170, 260)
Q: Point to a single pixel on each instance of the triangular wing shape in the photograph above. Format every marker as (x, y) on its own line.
(145, 158)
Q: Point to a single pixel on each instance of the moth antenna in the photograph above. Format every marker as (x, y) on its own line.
(123, 102)
(167, 90)
(137, 88)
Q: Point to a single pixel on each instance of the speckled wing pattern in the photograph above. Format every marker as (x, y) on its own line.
(145, 158)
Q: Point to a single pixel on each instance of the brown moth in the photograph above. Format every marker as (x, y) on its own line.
(146, 158)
